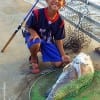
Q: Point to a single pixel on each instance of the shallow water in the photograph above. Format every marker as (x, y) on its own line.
(11, 14)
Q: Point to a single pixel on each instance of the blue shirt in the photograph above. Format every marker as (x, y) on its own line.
(48, 29)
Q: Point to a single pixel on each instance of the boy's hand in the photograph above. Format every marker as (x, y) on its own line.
(66, 59)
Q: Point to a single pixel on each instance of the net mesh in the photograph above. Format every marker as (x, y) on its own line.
(75, 39)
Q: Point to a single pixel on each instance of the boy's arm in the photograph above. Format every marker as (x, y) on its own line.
(59, 44)
(65, 57)
(30, 24)
(33, 33)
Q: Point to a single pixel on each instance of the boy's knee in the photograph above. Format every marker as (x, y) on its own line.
(57, 64)
(35, 47)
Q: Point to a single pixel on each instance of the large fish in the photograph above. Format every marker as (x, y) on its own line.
(80, 66)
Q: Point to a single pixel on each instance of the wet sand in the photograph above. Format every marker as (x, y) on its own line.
(15, 57)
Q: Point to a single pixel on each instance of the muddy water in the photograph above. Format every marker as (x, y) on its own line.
(11, 14)
(12, 11)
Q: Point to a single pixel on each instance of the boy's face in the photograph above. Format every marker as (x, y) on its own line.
(55, 4)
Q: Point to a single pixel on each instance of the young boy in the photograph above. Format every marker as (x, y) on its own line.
(45, 31)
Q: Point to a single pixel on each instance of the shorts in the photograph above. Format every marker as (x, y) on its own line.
(50, 52)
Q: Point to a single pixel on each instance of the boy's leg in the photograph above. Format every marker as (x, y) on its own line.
(34, 46)
(34, 50)
(34, 59)
(57, 64)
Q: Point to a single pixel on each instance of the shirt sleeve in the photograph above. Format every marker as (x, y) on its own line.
(60, 34)
(31, 22)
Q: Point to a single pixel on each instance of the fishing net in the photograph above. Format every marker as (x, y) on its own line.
(81, 89)
(75, 40)
(75, 12)
(41, 86)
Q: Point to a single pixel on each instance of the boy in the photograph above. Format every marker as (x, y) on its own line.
(45, 31)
